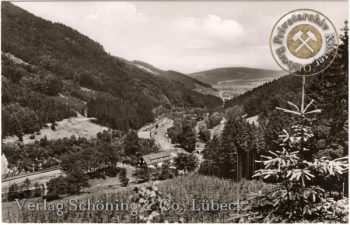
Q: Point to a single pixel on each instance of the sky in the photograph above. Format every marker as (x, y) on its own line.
(183, 36)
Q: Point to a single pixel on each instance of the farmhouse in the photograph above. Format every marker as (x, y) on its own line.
(155, 159)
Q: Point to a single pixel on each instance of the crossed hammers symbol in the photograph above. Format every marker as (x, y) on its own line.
(310, 36)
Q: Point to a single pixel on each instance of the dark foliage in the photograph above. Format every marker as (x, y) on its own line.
(186, 162)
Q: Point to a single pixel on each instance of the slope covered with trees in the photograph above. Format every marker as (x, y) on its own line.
(242, 142)
(173, 75)
(214, 76)
(58, 66)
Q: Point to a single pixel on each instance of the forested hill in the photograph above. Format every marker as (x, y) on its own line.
(329, 90)
(173, 75)
(49, 71)
(266, 97)
(214, 76)
(327, 130)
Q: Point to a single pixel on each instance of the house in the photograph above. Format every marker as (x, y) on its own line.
(144, 134)
(156, 159)
(149, 131)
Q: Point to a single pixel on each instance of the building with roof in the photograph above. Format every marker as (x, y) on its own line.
(149, 131)
(156, 159)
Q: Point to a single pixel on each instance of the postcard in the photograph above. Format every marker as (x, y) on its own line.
(174, 111)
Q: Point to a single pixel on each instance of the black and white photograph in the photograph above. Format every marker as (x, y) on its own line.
(174, 111)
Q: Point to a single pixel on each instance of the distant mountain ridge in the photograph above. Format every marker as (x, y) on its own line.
(214, 76)
(188, 81)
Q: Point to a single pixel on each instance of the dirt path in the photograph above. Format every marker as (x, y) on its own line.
(217, 130)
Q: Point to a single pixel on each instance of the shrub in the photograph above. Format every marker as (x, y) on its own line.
(186, 162)
(123, 178)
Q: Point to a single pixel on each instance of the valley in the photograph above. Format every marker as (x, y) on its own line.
(233, 81)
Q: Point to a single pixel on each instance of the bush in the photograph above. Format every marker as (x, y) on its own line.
(111, 171)
(123, 178)
(143, 174)
(186, 162)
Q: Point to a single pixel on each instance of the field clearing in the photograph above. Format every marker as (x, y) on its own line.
(181, 190)
(79, 126)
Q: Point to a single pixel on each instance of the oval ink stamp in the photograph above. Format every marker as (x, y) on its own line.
(304, 42)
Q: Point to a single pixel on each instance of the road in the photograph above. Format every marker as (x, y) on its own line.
(40, 177)
(217, 130)
(160, 137)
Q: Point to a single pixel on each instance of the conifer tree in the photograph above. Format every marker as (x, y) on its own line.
(297, 195)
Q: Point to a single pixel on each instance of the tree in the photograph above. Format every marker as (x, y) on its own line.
(174, 131)
(53, 125)
(186, 162)
(56, 187)
(209, 168)
(76, 180)
(53, 85)
(26, 185)
(73, 165)
(204, 135)
(297, 194)
(131, 143)
(37, 192)
(166, 172)
(13, 192)
(143, 173)
(215, 119)
(187, 139)
(14, 73)
(234, 112)
(124, 180)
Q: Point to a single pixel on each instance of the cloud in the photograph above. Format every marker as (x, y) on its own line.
(207, 32)
(222, 29)
(183, 36)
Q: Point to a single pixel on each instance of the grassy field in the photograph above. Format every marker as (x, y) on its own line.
(179, 190)
(79, 126)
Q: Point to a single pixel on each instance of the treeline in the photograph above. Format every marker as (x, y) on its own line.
(25, 111)
(63, 185)
(265, 98)
(187, 125)
(30, 98)
(24, 190)
(108, 148)
(58, 59)
(220, 154)
(183, 132)
(119, 114)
